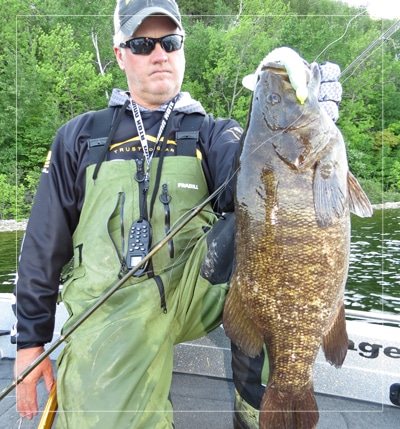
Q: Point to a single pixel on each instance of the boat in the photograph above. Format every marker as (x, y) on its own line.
(365, 391)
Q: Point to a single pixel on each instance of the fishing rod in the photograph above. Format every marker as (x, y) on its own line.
(112, 289)
(383, 37)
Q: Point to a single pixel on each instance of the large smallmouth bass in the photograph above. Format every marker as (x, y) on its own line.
(294, 195)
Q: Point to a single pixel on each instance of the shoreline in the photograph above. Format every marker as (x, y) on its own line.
(386, 206)
(12, 225)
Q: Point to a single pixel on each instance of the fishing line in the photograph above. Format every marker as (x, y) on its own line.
(356, 67)
(383, 37)
(19, 423)
(341, 37)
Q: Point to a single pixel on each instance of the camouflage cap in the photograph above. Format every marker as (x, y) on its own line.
(129, 14)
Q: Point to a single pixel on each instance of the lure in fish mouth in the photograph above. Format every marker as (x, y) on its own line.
(292, 62)
(278, 99)
(287, 89)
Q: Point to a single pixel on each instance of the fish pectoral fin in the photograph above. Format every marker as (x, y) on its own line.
(239, 327)
(335, 342)
(329, 194)
(359, 203)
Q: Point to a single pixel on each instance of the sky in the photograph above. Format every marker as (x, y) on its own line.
(389, 9)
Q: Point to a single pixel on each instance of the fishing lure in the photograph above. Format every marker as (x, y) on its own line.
(294, 65)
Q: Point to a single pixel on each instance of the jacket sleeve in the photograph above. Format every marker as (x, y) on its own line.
(47, 244)
(220, 163)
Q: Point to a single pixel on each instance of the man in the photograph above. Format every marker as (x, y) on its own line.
(115, 370)
(93, 202)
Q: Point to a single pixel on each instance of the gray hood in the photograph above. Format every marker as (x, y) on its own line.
(185, 103)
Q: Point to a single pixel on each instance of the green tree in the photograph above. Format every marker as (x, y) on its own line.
(16, 36)
(56, 61)
(232, 49)
(207, 11)
(68, 73)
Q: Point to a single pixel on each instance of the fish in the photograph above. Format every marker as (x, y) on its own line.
(294, 194)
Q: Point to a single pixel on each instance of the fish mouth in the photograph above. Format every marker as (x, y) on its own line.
(276, 68)
(304, 116)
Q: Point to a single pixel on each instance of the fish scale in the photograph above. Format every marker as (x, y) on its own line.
(292, 244)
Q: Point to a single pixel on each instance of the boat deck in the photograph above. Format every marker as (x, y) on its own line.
(354, 397)
(206, 402)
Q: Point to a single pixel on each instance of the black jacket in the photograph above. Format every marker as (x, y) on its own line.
(47, 245)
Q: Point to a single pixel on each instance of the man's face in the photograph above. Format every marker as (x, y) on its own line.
(155, 78)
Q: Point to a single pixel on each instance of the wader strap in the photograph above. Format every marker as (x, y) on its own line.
(189, 133)
(101, 127)
(101, 123)
(103, 120)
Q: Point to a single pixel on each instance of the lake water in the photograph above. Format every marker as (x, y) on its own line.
(374, 274)
(10, 243)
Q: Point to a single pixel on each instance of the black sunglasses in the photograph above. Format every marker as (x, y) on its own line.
(145, 45)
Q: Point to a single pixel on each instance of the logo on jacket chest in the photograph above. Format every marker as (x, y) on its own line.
(132, 149)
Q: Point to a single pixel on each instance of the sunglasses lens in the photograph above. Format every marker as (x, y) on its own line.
(145, 45)
(171, 43)
(142, 45)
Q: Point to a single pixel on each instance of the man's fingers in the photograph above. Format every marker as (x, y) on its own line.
(26, 400)
(26, 389)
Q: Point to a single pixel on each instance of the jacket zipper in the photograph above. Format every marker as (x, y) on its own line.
(120, 203)
(161, 290)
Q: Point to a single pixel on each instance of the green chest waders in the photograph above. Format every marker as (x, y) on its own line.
(116, 368)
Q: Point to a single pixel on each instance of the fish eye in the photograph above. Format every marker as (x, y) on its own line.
(273, 98)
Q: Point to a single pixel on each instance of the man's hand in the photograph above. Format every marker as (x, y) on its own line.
(26, 390)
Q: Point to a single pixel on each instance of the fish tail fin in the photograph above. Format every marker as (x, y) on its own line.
(335, 342)
(238, 327)
(285, 410)
(359, 203)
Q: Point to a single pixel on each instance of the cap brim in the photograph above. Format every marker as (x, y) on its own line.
(130, 26)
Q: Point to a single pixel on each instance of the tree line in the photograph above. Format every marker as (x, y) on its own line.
(56, 61)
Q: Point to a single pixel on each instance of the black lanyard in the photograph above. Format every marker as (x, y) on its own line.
(142, 176)
(142, 134)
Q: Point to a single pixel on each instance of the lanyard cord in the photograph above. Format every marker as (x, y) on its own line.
(142, 135)
(160, 162)
(164, 126)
